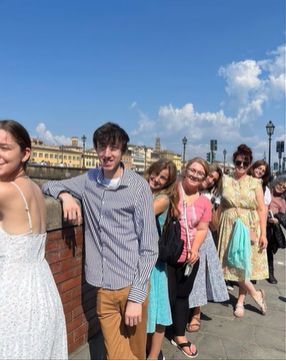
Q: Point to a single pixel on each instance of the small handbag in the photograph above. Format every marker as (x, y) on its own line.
(279, 235)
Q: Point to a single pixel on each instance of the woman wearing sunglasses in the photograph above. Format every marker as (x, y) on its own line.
(242, 197)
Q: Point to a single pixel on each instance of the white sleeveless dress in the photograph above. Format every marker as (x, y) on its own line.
(32, 321)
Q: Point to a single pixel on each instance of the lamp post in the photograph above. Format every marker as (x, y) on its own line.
(184, 140)
(270, 130)
(224, 155)
(83, 138)
(145, 162)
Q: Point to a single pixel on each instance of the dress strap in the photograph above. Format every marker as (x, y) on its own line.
(26, 206)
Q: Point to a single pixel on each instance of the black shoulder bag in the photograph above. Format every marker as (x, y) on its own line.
(170, 242)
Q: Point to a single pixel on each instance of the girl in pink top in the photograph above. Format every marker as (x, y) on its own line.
(195, 215)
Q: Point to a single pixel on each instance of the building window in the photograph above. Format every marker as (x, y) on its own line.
(40, 155)
(46, 155)
(51, 156)
(34, 154)
(56, 156)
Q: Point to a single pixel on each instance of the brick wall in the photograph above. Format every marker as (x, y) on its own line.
(65, 254)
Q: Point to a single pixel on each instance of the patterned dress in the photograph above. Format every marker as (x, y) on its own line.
(239, 200)
(209, 283)
(159, 311)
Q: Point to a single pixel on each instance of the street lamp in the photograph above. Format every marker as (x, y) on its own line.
(270, 130)
(224, 155)
(184, 140)
(83, 138)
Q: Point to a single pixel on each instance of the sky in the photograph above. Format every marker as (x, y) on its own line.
(200, 69)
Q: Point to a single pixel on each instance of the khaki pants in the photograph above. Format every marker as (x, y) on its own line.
(122, 342)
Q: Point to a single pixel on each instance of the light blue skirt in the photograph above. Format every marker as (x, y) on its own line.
(159, 310)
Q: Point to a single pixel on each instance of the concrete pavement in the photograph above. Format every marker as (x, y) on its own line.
(223, 336)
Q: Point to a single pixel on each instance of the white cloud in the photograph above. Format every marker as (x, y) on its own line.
(47, 137)
(133, 105)
(250, 85)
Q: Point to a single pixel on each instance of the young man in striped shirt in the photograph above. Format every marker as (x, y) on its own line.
(120, 241)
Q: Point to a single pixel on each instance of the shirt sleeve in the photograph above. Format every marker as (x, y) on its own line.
(145, 227)
(74, 186)
(267, 196)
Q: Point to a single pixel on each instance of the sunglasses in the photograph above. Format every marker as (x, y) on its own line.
(239, 162)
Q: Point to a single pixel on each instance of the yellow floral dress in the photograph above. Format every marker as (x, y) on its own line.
(239, 200)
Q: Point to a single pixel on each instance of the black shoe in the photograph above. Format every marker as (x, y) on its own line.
(272, 279)
(160, 356)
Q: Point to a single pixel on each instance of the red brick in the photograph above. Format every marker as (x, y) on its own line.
(66, 296)
(74, 324)
(77, 311)
(69, 284)
(70, 338)
(76, 291)
(73, 346)
(65, 275)
(80, 331)
(69, 317)
(72, 304)
(52, 235)
(56, 267)
(71, 262)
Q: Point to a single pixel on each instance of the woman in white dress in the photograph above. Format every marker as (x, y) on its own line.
(32, 322)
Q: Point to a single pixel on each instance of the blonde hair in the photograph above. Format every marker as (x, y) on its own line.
(199, 160)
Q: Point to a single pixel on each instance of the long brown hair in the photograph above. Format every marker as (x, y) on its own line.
(258, 164)
(170, 189)
(216, 189)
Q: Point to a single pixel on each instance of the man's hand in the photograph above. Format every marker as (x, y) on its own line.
(133, 313)
(71, 210)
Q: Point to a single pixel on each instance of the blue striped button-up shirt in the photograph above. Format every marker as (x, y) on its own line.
(120, 243)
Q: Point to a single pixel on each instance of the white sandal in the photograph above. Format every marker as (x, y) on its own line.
(261, 303)
(239, 310)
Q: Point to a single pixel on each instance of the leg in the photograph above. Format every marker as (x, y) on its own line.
(239, 308)
(138, 334)
(155, 343)
(195, 323)
(258, 296)
(110, 309)
(270, 259)
(180, 310)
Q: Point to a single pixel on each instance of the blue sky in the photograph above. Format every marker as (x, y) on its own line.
(203, 69)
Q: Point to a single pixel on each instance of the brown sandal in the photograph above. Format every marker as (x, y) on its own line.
(196, 326)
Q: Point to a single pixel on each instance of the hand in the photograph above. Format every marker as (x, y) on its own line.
(273, 220)
(193, 256)
(71, 210)
(262, 242)
(133, 313)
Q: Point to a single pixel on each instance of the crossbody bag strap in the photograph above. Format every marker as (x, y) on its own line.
(185, 217)
(158, 226)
